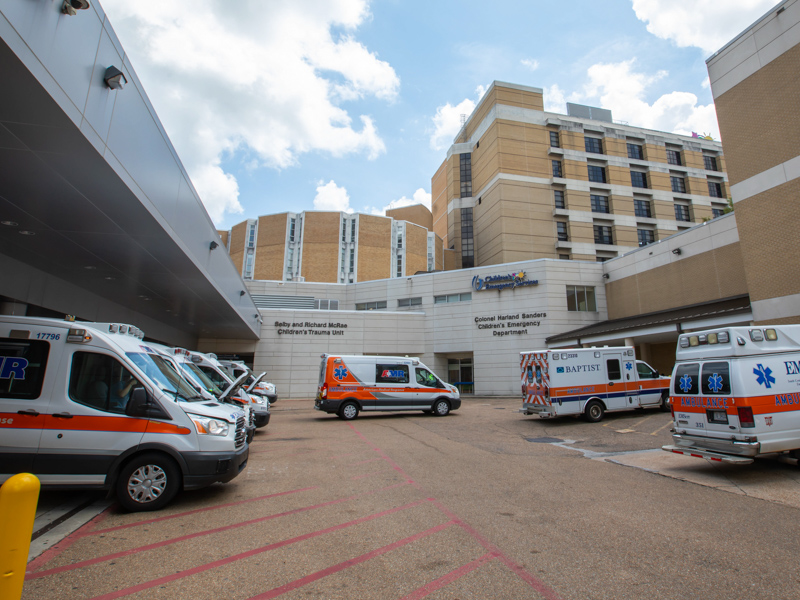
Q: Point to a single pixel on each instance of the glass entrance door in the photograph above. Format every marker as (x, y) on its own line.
(459, 374)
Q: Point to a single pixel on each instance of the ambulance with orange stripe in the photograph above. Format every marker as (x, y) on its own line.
(91, 405)
(589, 382)
(350, 384)
(736, 393)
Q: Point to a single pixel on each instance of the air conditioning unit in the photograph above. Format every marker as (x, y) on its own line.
(300, 279)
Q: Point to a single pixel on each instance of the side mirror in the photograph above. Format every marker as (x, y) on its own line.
(657, 375)
(143, 406)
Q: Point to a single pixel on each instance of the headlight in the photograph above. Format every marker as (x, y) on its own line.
(259, 399)
(208, 426)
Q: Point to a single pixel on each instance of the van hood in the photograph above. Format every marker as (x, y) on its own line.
(214, 410)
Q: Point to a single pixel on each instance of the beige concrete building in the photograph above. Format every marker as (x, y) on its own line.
(520, 183)
(335, 247)
(755, 83)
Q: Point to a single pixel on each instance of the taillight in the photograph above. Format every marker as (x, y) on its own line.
(672, 409)
(324, 391)
(746, 416)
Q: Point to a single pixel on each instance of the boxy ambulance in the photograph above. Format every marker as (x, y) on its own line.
(90, 405)
(589, 382)
(736, 393)
(349, 384)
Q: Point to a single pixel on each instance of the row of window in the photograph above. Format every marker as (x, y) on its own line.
(641, 208)
(635, 151)
(416, 301)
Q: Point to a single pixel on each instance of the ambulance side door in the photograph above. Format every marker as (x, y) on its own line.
(394, 382)
(25, 394)
(617, 390)
(86, 428)
(648, 378)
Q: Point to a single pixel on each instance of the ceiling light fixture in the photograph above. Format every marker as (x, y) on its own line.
(9, 223)
(26, 232)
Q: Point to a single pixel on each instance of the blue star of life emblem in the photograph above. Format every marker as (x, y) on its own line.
(715, 383)
(685, 383)
(628, 366)
(764, 376)
(340, 372)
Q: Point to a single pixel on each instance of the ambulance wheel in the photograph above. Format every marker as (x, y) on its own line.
(594, 411)
(664, 403)
(148, 482)
(441, 408)
(348, 411)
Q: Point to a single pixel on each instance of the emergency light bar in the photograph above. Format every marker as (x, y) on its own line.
(78, 336)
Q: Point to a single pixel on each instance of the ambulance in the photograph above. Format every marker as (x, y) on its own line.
(91, 405)
(736, 393)
(589, 382)
(350, 384)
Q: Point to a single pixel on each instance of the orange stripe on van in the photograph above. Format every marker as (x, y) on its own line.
(761, 405)
(112, 424)
(18, 421)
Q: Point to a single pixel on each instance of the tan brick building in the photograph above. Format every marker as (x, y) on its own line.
(335, 247)
(520, 183)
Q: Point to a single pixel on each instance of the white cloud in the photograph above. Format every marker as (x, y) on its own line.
(530, 63)
(419, 197)
(266, 78)
(332, 197)
(706, 24)
(447, 120)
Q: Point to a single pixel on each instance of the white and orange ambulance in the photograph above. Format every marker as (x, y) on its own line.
(350, 384)
(736, 393)
(589, 382)
(91, 405)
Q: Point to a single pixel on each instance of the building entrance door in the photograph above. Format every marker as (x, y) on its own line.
(459, 374)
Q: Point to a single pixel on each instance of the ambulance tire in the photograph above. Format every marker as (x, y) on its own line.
(348, 411)
(664, 406)
(441, 408)
(594, 411)
(154, 477)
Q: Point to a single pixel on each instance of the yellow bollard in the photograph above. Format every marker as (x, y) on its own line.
(19, 496)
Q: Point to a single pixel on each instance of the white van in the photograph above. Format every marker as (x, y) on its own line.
(349, 384)
(589, 382)
(736, 393)
(260, 388)
(91, 405)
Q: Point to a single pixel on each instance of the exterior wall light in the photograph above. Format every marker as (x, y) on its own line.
(114, 78)
(242, 293)
(71, 7)
(606, 275)
(213, 245)
(677, 251)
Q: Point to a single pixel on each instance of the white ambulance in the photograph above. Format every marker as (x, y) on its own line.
(349, 384)
(736, 393)
(589, 382)
(92, 405)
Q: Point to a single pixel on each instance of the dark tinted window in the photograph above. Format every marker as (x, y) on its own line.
(645, 372)
(391, 373)
(614, 372)
(716, 379)
(685, 379)
(22, 367)
(100, 381)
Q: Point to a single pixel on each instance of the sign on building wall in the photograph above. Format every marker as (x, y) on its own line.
(502, 282)
(309, 328)
(508, 325)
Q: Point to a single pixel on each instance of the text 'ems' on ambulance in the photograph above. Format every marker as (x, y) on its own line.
(589, 382)
(349, 384)
(736, 393)
(92, 405)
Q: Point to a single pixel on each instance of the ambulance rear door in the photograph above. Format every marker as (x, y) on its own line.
(25, 393)
(702, 398)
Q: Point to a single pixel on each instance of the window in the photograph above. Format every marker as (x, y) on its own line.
(716, 379)
(714, 189)
(645, 372)
(352, 259)
(674, 157)
(597, 174)
(251, 235)
(289, 260)
(638, 179)
(344, 231)
(100, 381)
(467, 241)
(717, 212)
(399, 266)
(645, 236)
(641, 208)
(371, 305)
(465, 172)
(326, 304)
(405, 302)
(248, 264)
(613, 369)
(581, 298)
(554, 142)
(399, 240)
(353, 230)
(682, 212)
(563, 257)
(425, 377)
(710, 163)
(600, 258)
(452, 298)
(22, 367)
(635, 151)
(678, 184)
(292, 223)
(391, 373)
(602, 235)
(599, 203)
(561, 231)
(686, 377)
(594, 145)
(556, 168)
(559, 199)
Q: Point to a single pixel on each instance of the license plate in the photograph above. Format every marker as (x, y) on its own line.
(717, 416)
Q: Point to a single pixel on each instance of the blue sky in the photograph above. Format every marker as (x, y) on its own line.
(277, 105)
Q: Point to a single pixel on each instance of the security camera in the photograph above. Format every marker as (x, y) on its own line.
(71, 7)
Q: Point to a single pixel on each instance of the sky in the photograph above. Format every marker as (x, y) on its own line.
(292, 105)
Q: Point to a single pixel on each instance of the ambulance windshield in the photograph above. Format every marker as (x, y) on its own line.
(193, 372)
(164, 375)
